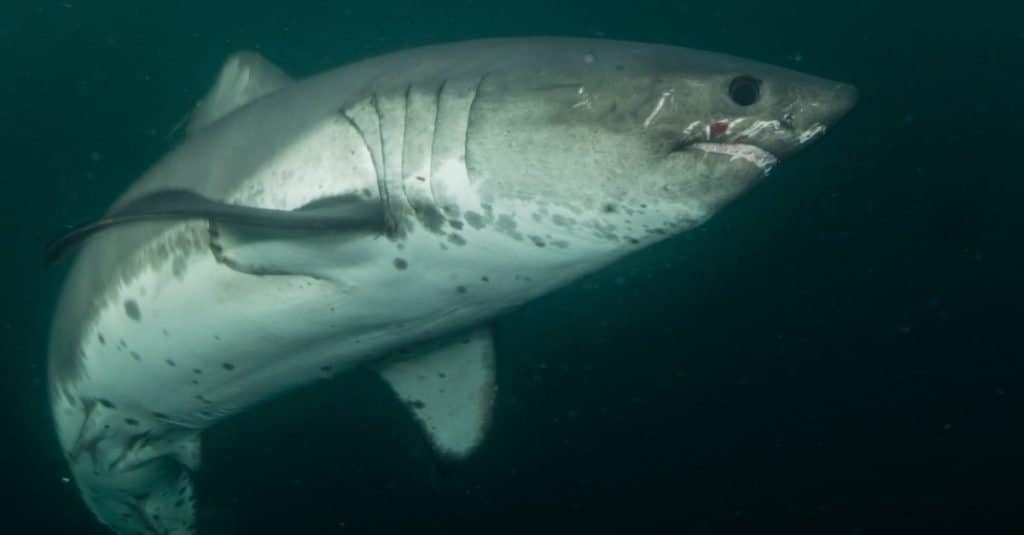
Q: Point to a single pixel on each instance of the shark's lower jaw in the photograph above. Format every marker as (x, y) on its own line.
(761, 158)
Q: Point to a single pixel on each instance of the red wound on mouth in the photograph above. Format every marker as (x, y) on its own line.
(718, 128)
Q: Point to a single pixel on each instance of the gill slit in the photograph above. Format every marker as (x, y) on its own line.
(469, 121)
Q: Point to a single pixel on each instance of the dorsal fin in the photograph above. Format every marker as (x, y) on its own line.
(245, 77)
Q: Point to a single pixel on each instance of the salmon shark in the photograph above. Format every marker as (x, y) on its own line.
(383, 214)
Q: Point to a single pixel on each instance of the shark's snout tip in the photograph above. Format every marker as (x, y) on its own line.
(847, 96)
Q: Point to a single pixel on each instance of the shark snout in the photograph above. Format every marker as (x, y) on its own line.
(844, 99)
(824, 106)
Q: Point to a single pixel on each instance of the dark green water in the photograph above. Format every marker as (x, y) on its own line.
(838, 352)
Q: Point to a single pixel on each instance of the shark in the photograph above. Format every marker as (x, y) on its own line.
(383, 215)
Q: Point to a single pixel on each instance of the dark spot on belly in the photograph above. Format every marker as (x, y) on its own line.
(400, 263)
(538, 241)
(131, 421)
(101, 339)
(506, 223)
(170, 362)
(485, 279)
(456, 224)
(136, 356)
(131, 308)
(204, 400)
(326, 369)
(475, 220)
(417, 404)
(608, 208)
(460, 289)
(179, 504)
(106, 403)
(161, 416)
(178, 267)
(195, 382)
(228, 366)
(456, 239)
(197, 371)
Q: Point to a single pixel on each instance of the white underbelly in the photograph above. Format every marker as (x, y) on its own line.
(198, 342)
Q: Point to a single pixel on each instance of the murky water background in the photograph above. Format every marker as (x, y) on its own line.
(838, 352)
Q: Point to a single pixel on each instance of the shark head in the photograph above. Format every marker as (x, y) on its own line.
(638, 142)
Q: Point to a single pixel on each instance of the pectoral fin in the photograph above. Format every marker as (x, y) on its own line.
(344, 213)
(449, 387)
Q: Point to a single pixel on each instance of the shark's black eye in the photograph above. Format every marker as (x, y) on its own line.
(745, 90)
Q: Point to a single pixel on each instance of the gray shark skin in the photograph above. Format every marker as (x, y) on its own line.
(382, 214)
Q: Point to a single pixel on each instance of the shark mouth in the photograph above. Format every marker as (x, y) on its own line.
(761, 158)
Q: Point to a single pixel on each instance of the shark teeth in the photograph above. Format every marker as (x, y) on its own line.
(763, 159)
